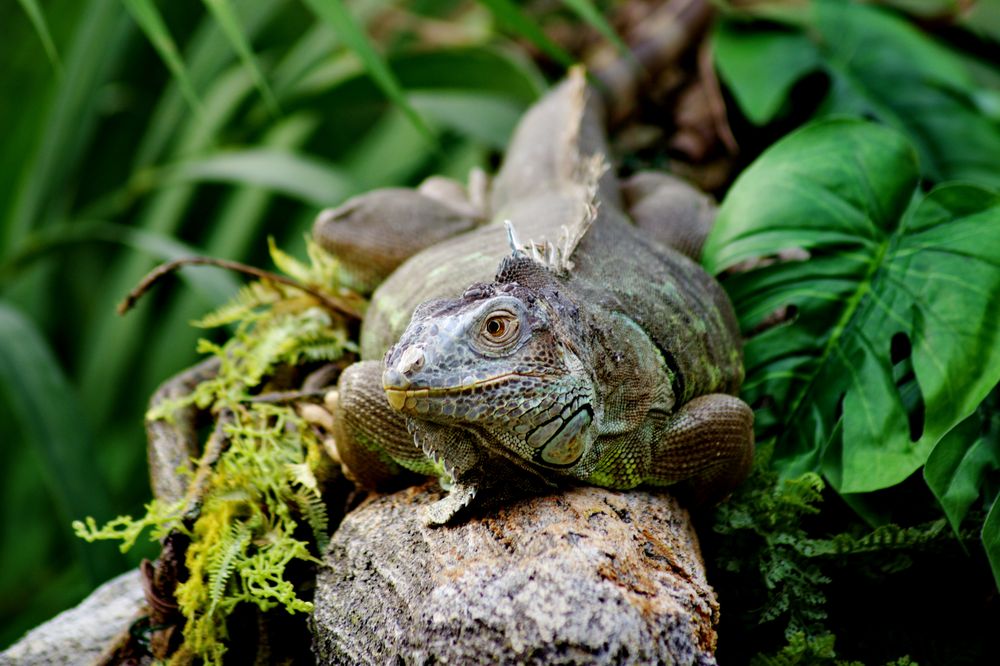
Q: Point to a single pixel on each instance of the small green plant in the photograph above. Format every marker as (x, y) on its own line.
(256, 506)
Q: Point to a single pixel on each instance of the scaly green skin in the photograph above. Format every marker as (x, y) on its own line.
(614, 362)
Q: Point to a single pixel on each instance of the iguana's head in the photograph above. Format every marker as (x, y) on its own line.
(502, 361)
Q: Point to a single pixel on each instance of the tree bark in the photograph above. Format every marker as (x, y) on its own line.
(82, 635)
(585, 576)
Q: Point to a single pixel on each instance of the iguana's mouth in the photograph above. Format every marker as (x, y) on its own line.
(399, 397)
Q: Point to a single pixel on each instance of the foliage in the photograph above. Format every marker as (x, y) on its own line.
(890, 332)
(877, 65)
(774, 571)
(874, 356)
(772, 511)
(965, 467)
(251, 501)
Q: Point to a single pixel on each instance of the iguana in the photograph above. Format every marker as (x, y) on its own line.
(592, 353)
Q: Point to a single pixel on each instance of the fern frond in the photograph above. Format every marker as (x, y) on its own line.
(242, 306)
(801, 649)
(160, 519)
(267, 479)
(288, 264)
(314, 511)
(223, 561)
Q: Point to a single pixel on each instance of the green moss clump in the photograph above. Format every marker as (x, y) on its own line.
(255, 505)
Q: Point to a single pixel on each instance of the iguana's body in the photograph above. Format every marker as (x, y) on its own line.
(624, 356)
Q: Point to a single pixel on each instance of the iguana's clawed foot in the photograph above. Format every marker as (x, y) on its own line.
(441, 512)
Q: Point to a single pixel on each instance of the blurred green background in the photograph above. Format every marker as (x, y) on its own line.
(109, 165)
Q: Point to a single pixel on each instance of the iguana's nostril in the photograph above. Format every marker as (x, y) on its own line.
(410, 361)
(393, 379)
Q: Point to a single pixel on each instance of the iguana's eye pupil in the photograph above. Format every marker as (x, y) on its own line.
(496, 327)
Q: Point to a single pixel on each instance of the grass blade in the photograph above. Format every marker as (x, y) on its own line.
(486, 117)
(302, 177)
(109, 345)
(206, 54)
(586, 11)
(37, 18)
(215, 286)
(235, 234)
(151, 22)
(223, 12)
(51, 421)
(70, 119)
(514, 19)
(334, 13)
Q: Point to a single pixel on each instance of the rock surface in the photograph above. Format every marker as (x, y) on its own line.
(81, 634)
(585, 576)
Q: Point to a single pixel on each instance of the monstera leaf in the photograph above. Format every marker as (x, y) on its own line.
(964, 468)
(890, 330)
(878, 65)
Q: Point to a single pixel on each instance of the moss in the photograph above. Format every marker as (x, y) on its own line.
(260, 507)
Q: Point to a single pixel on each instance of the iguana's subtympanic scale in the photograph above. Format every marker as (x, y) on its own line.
(592, 352)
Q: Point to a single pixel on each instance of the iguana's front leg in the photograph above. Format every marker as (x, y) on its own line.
(372, 439)
(707, 445)
(704, 450)
(377, 444)
(464, 473)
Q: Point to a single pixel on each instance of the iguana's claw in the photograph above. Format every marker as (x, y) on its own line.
(442, 511)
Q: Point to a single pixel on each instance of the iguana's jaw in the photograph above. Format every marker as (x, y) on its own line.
(410, 399)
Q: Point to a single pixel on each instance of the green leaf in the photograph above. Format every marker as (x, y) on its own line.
(885, 264)
(223, 12)
(69, 121)
(991, 539)
(48, 414)
(509, 15)
(37, 18)
(151, 22)
(388, 154)
(486, 117)
(957, 467)
(207, 53)
(761, 66)
(110, 345)
(334, 13)
(233, 235)
(879, 66)
(303, 177)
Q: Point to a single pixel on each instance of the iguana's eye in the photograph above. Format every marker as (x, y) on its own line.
(496, 327)
(499, 328)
